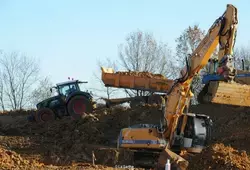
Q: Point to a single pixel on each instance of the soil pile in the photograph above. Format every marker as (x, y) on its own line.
(12, 160)
(231, 124)
(17, 112)
(141, 74)
(220, 157)
(65, 141)
(101, 127)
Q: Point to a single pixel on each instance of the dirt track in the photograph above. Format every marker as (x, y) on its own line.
(64, 143)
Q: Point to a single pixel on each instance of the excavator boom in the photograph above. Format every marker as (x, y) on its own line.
(222, 32)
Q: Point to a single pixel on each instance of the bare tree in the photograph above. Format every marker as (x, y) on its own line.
(109, 91)
(242, 53)
(1, 88)
(2, 93)
(187, 42)
(19, 74)
(42, 91)
(141, 52)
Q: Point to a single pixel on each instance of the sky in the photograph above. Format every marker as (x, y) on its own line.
(69, 37)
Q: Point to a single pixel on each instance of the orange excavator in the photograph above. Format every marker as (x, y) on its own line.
(179, 130)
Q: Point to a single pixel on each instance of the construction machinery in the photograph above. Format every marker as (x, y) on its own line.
(156, 84)
(154, 99)
(242, 76)
(70, 101)
(179, 130)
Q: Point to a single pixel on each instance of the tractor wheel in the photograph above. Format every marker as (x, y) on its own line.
(44, 115)
(79, 105)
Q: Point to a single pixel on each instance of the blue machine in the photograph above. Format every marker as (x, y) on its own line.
(212, 76)
(242, 77)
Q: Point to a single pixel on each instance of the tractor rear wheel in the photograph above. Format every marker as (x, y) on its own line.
(44, 115)
(79, 105)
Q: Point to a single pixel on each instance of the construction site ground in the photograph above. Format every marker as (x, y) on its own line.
(68, 144)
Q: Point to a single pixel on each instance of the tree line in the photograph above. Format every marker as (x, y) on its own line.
(22, 86)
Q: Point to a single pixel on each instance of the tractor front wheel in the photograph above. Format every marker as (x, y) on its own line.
(44, 115)
(79, 105)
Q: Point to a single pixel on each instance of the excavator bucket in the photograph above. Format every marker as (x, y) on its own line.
(176, 160)
(225, 93)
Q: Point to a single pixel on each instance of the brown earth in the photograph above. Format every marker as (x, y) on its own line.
(12, 160)
(231, 124)
(141, 74)
(230, 147)
(64, 143)
(221, 157)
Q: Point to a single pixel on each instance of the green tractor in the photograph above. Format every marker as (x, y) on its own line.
(70, 101)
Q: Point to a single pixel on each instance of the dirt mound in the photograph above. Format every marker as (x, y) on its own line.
(64, 141)
(101, 127)
(17, 112)
(220, 157)
(141, 74)
(231, 124)
(12, 160)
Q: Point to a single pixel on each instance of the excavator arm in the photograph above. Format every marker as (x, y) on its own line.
(221, 33)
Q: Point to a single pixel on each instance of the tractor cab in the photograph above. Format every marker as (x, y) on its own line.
(65, 88)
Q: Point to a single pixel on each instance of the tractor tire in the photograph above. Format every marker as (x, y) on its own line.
(44, 115)
(78, 106)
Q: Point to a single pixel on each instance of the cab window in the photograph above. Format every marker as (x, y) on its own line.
(66, 89)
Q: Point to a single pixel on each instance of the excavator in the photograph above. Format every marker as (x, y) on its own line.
(179, 130)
